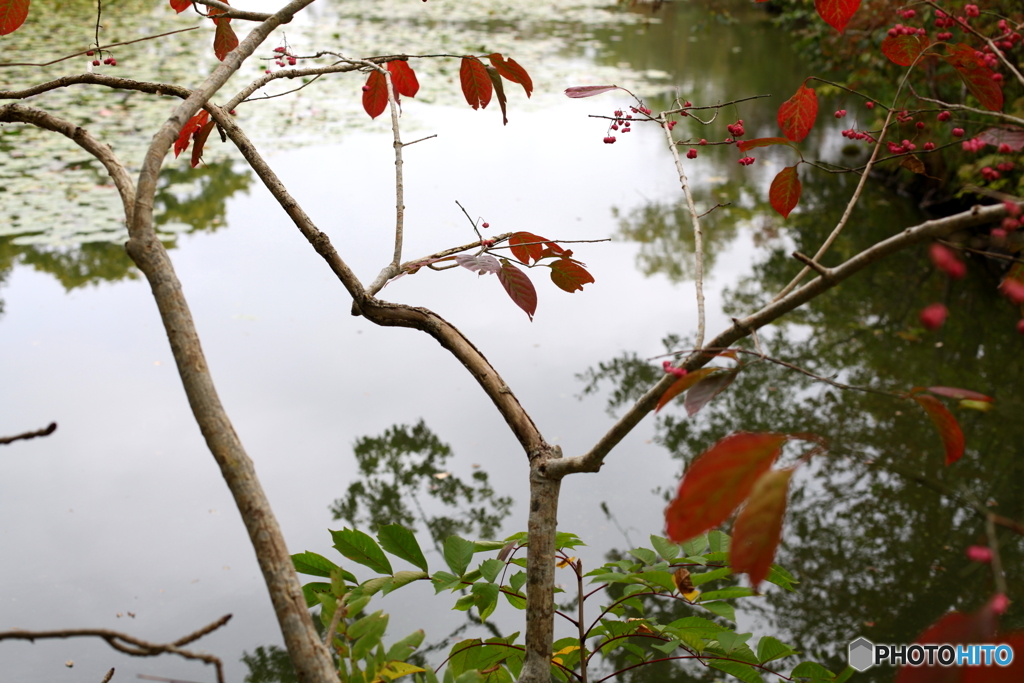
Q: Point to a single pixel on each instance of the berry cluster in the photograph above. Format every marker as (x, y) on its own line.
(736, 129)
(678, 372)
(109, 61)
(283, 57)
(746, 161)
(620, 123)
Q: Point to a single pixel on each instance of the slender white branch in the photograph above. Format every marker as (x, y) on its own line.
(698, 237)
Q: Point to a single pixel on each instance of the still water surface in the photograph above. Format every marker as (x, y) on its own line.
(122, 511)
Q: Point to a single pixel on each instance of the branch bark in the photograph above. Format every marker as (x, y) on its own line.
(592, 460)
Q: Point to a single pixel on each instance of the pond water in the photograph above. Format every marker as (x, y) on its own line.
(120, 519)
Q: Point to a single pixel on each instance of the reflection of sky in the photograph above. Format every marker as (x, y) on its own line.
(128, 511)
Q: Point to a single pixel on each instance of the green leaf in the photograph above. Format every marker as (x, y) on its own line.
(564, 539)
(666, 548)
(718, 541)
(359, 547)
(722, 609)
(313, 564)
(485, 597)
(769, 649)
(515, 598)
(401, 542)
(444, 581)
(491, 568)
(311, 590)
(698, 625)
(403, 578)
(813, 671)
(781, 577)
(470, 677)
(712, 575)
(669, 647)
(372, 586)
(400, 650)
(458, 552)
(517, 580)
(742, 671)
(660, 579)
(363, 626)
(730, 641)
(695, 546)
(464, 604)
(728, 593)
(371, 639)
(644, 555)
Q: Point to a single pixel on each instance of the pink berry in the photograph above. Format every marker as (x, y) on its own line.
(692, 154)
(1012, 208)
(979, 553)
(1005, 148)
(702, 142)
(485, 225)
(1009, 224)
(869, 105)
(840, 114)
(972, 11)
(1012, 290)
(958, 132)
(366, 88)
(919, 125)
(90, 53)
(933, 316)
(929, 146)
(609, 139)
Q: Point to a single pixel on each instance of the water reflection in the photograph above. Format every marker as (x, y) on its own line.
(878, 553)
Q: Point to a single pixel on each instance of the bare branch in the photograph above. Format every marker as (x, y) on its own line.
(130, 644)
(846, 214)
(698, 237)
(110, 674)
(233, 12)
(97, 79)
(46, 431)
(105, 47)
(592, 461)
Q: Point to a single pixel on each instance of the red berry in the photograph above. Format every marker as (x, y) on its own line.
(929, 146)
(366, 88)
(979, 553)
(485, 225)
(840, 113)
(692, 154)
(919, 125)
(1013, 290)
(95, 62)
(972, 11)
(610, 139)
(933, 316)
(869, 105)
(958, 132)
(90, 53)
(702, 142)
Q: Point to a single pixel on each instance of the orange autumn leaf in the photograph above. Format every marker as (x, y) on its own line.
(758, 527)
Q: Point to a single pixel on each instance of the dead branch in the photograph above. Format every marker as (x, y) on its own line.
(46, 431)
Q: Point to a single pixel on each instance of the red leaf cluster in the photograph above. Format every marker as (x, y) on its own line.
(224, 39)
(784, 194)
(476, 84)
(904, 49)
(976, 75)
(193, 126)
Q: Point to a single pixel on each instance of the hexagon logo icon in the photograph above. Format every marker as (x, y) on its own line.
(861, 654)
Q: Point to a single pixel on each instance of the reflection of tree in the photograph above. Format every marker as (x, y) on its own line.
(396, 468)
(878, 554)
(194, 197)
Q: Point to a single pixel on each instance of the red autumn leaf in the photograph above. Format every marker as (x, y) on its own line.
(569, 275)
(200, 138)
(519, 287)
(719, 480)
(12, 15)
(758, 528)
(796, 115)
(836, 13)
(976, 75)
(954, 628)
(224, 40)
(511, 70)
(747, 145)
(904, 49)
(705, 390)
(1014, 673)
(949, 429)
(682, 384)
(476, 84)
(1008, 135)
(403, 78)
(180, 6)
(499, 90)
(953, 392)
(526, 246)
(784, 193)
(579, 91)
(375, 94)
(188, 130)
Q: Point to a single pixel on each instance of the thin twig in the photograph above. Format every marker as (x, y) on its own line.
(997, 562)
(46, 431)
(578, 568)
(339, 610)
(698, 238)
(105, 47)
(233, 12)
(820, 269)
(846, 214)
